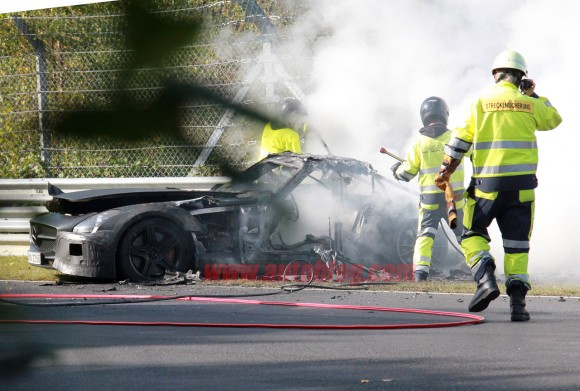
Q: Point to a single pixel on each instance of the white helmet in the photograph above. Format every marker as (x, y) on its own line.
(510, 59)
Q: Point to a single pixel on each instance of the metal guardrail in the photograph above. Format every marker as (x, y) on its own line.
(21, 199)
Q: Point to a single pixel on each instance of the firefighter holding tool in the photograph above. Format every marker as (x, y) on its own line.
(500, 130)
(424, 159)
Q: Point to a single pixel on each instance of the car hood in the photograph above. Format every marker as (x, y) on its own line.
(81, 202)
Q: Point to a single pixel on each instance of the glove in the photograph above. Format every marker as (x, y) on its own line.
(394, 168)
(447, 168)
(441, 181)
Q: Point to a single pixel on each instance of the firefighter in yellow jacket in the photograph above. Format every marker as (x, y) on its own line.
(288, 135)
(500, 130)
(424, 158)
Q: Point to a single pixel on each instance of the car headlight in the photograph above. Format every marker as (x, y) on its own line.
(92, 224)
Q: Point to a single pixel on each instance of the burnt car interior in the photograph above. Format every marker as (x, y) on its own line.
(312, 200)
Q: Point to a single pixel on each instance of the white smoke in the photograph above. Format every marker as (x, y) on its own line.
(385, 57)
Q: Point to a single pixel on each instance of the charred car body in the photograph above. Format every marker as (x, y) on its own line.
(261, 217)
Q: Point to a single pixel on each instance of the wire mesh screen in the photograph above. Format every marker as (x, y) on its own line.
(53, 62)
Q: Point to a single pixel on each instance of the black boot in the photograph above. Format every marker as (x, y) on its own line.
(487, 289)
(517, 290)
(420, 276)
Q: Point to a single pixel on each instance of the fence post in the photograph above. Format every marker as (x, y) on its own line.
(41, 90)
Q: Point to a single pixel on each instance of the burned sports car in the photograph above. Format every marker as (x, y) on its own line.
(284, 208)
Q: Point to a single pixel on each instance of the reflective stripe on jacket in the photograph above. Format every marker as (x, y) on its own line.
(424, 158)
(279, 140)
(500, 129)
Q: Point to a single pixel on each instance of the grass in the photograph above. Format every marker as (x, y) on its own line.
(17, 268)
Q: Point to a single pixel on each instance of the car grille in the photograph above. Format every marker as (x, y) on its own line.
(43, 237)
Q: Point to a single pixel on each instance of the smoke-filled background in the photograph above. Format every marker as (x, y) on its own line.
(385, 57)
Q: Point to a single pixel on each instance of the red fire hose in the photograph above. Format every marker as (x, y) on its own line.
(466, 319)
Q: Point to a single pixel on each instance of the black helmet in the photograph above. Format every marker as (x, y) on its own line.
(293, 107)
(434, 108)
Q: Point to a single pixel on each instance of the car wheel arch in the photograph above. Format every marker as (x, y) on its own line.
(141, 219)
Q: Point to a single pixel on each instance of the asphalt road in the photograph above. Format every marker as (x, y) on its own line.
(543, 354)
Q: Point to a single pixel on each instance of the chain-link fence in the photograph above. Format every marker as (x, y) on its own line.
(53, 62)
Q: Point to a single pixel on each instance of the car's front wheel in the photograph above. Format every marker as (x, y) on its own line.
(153, 247)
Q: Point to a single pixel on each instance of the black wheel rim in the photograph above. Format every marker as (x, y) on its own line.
(153, 251)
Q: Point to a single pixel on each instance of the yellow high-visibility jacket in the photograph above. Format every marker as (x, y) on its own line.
(500, 129)
(424, 158)
(279, 140)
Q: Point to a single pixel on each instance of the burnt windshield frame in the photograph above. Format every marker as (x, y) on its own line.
(268, 175)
